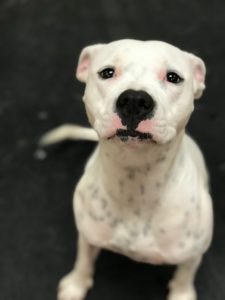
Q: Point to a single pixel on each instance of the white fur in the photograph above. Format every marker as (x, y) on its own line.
(147, 200)
(68, 132)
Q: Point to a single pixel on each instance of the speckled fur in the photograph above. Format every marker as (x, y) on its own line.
(149, 201)
(152, 218)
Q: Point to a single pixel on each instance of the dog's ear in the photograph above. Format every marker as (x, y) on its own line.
(199, 70)
(85, 60)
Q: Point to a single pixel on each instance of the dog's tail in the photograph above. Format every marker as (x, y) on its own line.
(68, 132)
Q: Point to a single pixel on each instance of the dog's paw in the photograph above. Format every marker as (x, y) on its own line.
(73, 287)
(185, 294)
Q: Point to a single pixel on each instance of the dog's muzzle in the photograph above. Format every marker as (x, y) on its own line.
(133, 107)
(125, 134)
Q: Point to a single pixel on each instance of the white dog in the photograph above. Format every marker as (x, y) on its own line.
(144, 192)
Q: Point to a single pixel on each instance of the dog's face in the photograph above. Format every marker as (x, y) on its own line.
(142, 91)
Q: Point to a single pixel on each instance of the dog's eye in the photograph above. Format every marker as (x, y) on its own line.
(107, 73)
(173, 78)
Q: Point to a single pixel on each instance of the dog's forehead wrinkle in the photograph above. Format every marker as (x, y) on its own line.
(133, 44)
(138, 51)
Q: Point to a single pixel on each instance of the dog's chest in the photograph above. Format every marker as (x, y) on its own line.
(137, 225)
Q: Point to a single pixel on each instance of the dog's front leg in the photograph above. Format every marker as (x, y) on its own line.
(76, 284)
(182, 284)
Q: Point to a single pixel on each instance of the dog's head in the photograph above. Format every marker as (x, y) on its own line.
(142, 91)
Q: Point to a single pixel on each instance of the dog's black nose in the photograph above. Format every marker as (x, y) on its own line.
(133, 107)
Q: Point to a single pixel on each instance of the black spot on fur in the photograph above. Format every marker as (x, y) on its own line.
(137, 212)
(94, 193)
(142, 189)
(121, 185)
(104, 203)
(131, 172)
(162, 230)
(95, 217)
(114, 222)
(161, 159)
(148, 167)
(130, 199)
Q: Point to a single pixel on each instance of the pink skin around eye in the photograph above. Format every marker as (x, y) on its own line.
(118, 72)
(162, 75)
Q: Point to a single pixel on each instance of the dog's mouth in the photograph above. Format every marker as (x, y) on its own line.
(126, 134)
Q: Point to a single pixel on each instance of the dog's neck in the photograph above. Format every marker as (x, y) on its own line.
(119, 159)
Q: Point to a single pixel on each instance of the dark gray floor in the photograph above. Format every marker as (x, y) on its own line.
(40, 44)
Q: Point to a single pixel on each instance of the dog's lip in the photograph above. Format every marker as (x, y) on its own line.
(125, 134)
